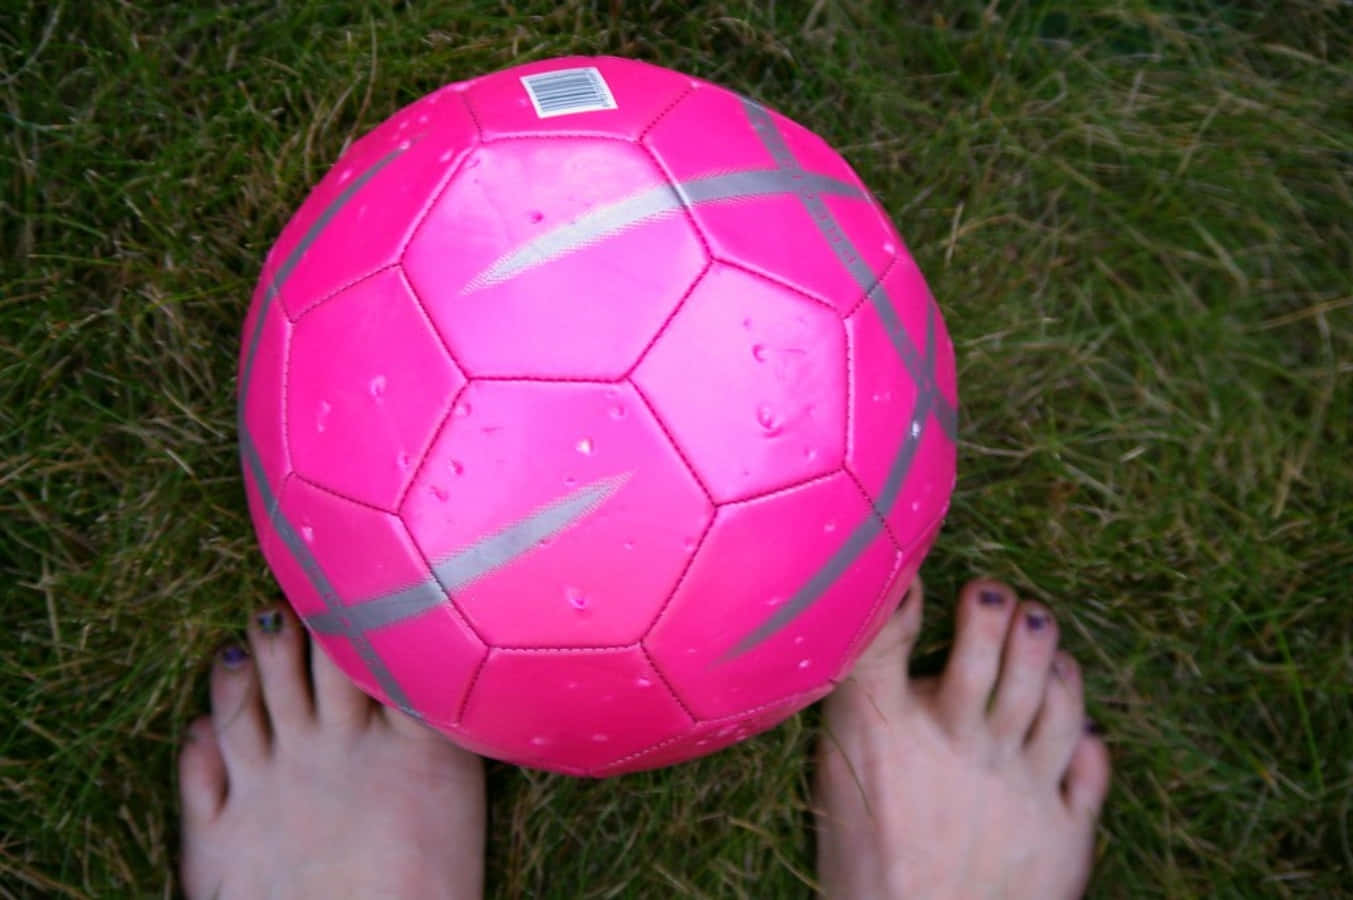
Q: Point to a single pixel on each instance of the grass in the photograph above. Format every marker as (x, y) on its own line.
(1137, 218)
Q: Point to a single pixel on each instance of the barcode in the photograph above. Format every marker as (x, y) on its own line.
(567, 91)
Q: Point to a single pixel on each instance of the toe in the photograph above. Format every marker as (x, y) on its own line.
(338, 702)
(202, 774)
(1087, 778)
(278, 643)
(237, 713)
(1026, 665)
(1060, 722)
(879, 676)
(984, 611)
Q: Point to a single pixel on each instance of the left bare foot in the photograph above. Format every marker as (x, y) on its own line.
(299, 785)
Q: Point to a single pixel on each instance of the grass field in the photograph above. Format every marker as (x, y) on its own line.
(1138, 219)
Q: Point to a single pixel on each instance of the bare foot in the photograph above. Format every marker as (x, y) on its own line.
(983, 782)
(298, 785)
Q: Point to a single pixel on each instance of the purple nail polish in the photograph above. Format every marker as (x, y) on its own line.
(234, 656)
(991, 598)
(1093, 728)
(270, 622)
(1036, 621)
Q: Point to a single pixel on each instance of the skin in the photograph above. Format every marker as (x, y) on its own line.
(982, 782)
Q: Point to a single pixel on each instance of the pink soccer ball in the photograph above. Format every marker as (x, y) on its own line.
(588, 411)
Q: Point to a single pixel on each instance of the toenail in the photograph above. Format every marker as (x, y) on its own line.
(991, 598)
(1037, 621)
(1093, 728)
(270, 622)
(234, 656)
(1059, 669)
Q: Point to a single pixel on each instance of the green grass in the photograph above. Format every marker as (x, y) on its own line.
(1138, 219)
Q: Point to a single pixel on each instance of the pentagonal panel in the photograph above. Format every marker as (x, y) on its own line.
(358, 218)
(363, 589)
(571, 100)
(556, 514)
(554, 258)
(571, 711)
(751, 381)
(369, 382)
(780, 586)
(902, 383)
(771, 195)
(710, 736)
(262, 388)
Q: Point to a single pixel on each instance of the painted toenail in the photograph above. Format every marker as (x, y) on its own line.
(991, 598)
(234, 656)
(1093, 728)
(270, 622)
(1036, 621)
(1059, 669)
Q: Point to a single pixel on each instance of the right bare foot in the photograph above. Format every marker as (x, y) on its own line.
(983, 782)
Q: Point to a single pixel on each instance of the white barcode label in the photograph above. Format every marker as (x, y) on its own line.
(567, 91)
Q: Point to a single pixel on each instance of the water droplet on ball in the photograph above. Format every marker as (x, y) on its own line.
(456, 466)
(759, 352)
(805, 663)
(576, 598)
(308, 534)
(584, 446)
(535, 216)
(766, 418)
(377, 386)
(642, 682)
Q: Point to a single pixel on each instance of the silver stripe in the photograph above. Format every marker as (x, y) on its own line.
(920, 367)
(387, 610)
(518, 539)
(844, 249)
(253, 464)
(469, 565)
(595, 226)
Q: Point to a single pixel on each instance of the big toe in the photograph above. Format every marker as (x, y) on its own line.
(879, 675)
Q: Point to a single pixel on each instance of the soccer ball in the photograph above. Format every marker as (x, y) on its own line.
(588, 411)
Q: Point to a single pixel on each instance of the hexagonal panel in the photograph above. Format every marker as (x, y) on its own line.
(641, 92)
(905, 462)
(571, 711)
(554, 258)
(340, 564)
(262, 388)
(556, 514)
(358, 218)
(711, 736)
(769, 606)
(751, 381)
(771, 195)
(369, 382)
